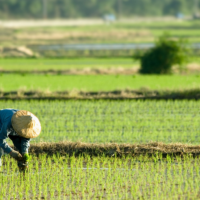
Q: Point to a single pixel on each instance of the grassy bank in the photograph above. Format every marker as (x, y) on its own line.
(64, 63)
(26, 82)
(34, 65)
(150, 150)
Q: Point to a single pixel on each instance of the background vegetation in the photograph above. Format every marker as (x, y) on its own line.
(166, 53)
(93, 8)
(64, 177)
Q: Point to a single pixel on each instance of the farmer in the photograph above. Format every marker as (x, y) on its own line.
(20, 126)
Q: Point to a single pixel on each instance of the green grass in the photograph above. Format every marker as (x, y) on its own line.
(32, 64)
(64, 64)
(115, 121)
(102, 178)
(96, 83)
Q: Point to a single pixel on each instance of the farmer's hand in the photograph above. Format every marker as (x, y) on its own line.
(16, 155)
(23, 164)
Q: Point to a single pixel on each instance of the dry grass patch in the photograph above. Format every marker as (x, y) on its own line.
(117, 34)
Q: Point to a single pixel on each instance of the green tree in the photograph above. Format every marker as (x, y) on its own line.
(93, 8)
(166, 53)
(174, 7)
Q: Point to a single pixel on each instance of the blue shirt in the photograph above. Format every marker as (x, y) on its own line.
(6, 129)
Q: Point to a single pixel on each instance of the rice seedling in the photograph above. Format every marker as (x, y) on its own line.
(102, 177)
(115, 121)
(108, 176)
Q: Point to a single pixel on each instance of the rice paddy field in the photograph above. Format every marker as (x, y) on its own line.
(65, 176)
(103, 122)
(44, 64)
(52, 83)
(21, 64)
(115, 121)
(102, 178)
(107, 177)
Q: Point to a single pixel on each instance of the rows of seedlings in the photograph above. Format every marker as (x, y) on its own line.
(62, 178)
(115, 121)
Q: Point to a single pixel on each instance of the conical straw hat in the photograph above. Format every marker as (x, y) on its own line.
(26, 124)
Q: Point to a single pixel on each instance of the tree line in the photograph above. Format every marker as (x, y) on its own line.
(94, 8)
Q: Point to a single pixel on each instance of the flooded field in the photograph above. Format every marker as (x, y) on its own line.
(122, 121)
(102, 178)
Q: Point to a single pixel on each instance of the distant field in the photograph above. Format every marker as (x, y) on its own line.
(119, 32)
(42, 64)
(96, 83)
(64, 64)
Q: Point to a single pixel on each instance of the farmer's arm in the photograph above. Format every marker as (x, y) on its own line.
(25, 144)
(3, 136)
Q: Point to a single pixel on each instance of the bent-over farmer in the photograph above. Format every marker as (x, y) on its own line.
(20, 126)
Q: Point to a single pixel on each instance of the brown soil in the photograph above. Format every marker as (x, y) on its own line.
(112, 149)
(83, 35)
(85, 71)
(106, 95)
(191, 68)
(20, 51)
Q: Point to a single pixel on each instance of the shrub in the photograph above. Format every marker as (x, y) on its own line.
(166, 53)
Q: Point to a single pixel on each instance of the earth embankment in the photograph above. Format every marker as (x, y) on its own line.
(114, 149)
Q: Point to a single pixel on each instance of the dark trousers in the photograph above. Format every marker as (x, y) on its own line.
(17, 145)
(17, 142)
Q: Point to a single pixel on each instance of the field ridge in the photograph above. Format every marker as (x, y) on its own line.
(142, 94)
(84, 71)
(114, 149)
